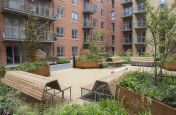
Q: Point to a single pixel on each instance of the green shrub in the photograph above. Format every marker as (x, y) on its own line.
(91, 58)
(172, 59)
(63, 61)
(2, 68)
(31, 66)
(143, 82)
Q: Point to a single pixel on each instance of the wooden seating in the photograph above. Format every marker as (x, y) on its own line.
(114, 61)
(142, 61)
(33, 85)
(103, 87)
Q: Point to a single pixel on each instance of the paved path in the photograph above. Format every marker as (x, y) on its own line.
(60, 67)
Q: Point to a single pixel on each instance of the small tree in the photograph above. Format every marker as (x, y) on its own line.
(33, 34)
(95, 46)
(161, 22)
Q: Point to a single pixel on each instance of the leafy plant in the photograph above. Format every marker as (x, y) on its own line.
(144, 83)
(91, 58)
(63, 61)
(31, 66)
(171, 59)
(2, 68)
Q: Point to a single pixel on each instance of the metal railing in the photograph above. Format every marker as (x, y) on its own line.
(140, 24)
(126, 1)
(139, 9)
(127, 13)
(26, 7)
(88, 8)
(127, 27)
(18, 33)
(127, 41)
(88, 24)
(140, 39)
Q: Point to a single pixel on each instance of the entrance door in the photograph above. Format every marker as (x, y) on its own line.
(14, 55)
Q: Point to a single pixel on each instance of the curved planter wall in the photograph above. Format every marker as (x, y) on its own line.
(2, 73)
(43, 71)
(135, 103)
(87, 64)
(170, 66)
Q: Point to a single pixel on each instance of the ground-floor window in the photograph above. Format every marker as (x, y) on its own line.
(75, 50)
(141, 51)
(60, 51)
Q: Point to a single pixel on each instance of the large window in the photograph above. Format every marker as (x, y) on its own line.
(60, 31)
(75, 50)
(102, 24)
(60, 12)
(75, 33)
(102, 12)
(60, 51)
(112, 15)
(74, 16)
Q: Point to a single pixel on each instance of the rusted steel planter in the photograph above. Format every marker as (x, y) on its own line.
(170, 66)
(87, 64)
(135, 103)
(2, 73)
(44, 71)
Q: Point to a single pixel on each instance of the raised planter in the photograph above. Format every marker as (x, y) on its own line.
(87, 64)
(170, 66)
(135, 103)
(44, 71)
(2, 73)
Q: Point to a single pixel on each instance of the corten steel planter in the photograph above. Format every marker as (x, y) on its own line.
(170, 66)
(43, 71)
(2, 73)
(135, 103)
(87, 64)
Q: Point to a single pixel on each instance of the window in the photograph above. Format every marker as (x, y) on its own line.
(102, 24)
(60, 31)
(102, 1)
(140, 6)
(74, 1)
(102, 12)
(102, 38)
(128, 38)
(141, 51)
(95, 8)
(60, 12)
(75, 50)
(141, 37)
(128, 11)
(75, 33)
(112, 3)
(113, 39)
(74, 16)
(95, 22)
(162, 3)
(112, 15)
(60, 51)
(112, 27)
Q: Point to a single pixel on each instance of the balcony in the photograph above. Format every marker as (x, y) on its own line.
(127, 41)
(88, 25)
(139, 10)
(126, 2)
(140, 25)
(10, 33)
(88, 9)
(127, 28)
(127, 14)
(23, 7)
(140, 40)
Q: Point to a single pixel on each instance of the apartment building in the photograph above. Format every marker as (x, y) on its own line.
(74, 21)
(13, 15)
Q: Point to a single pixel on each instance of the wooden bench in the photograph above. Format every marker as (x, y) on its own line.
(114, 61)
(142, 61)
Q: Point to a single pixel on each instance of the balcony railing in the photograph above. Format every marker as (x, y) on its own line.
(88, 25)
(127, 13)
(25, 7)
(123, 2)
(140, 24)
(18, 33)
(127, 41)
(88, 9)
(127, 27)
(140, 40)
(139, 10)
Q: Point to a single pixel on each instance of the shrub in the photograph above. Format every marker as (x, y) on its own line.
(63, 61)
(144, 83)
(2, 68)
(31, 66)
(91, 58)
(172, 59)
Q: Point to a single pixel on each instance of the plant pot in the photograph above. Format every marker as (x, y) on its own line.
(43, 71)
(135, 103)
(87, 64)
(2, 73)
(170, 66)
